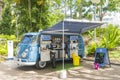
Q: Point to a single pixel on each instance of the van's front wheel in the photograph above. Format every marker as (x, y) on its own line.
(40, 64)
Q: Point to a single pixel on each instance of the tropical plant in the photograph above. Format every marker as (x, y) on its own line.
(107, 37)
(111, 37)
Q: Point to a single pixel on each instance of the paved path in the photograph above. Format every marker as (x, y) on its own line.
(10, 71)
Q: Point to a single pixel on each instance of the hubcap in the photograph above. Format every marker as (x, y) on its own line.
(42, 64)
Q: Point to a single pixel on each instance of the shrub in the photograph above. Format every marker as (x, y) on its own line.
(3, 49)
(3, 43)
(91, 48)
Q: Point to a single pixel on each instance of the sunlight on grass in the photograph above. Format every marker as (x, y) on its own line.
(68, 65)
(114, 54)
(1, 59)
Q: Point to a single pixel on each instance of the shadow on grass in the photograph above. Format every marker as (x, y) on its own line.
(67, 65)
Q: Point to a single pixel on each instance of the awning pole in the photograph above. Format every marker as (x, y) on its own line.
(63, 73)
(63, 43)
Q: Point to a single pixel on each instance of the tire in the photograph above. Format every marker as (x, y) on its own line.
(40, 65)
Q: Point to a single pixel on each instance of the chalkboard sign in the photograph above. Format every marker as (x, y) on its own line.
(99, 58)
(102, 57)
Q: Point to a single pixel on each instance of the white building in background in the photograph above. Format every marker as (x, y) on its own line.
(112, 18)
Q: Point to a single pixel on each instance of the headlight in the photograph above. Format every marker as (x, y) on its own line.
(24, 54)
(26, 50)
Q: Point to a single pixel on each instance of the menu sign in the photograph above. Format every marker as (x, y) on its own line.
(73, 38)
(46, 37)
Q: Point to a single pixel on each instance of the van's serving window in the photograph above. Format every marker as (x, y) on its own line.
(46, 37)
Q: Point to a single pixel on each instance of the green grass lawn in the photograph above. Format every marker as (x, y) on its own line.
(67, 65)
(1, 59)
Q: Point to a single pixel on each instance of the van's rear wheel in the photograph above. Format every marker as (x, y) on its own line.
(40, 64)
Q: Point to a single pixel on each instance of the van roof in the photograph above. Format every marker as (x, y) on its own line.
(32, 33)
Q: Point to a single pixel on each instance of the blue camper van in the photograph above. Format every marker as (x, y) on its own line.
(35, 48)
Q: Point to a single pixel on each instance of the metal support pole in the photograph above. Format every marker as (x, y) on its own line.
(95, 20)
(63, 44)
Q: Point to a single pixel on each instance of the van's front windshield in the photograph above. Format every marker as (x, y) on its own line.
(29, 39)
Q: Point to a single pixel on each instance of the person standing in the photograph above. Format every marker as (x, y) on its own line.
(66, 49)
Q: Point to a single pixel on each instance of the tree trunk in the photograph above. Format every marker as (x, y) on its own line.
(70, 8)
(29, 8)
(100, 13)
(80, 11)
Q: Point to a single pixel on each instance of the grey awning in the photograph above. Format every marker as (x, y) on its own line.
(73, 26)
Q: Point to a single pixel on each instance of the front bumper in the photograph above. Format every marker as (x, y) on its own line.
(24, 62)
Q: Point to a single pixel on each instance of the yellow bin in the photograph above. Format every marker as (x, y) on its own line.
(76, 60)
(73, 55)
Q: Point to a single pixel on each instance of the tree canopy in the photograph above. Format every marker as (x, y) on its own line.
(33, 15)
(27, 16)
